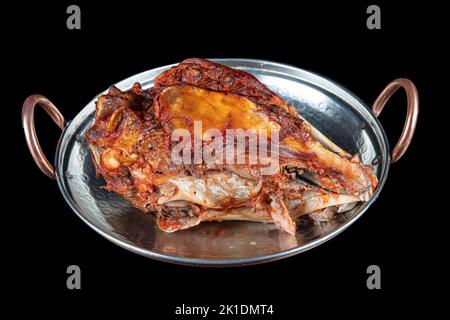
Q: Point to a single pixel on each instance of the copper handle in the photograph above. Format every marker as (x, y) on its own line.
(30, 131)
(411, 116)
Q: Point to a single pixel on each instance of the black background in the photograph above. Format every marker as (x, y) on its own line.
(43, 236)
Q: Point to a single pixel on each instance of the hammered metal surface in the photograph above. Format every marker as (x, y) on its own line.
(329, 107)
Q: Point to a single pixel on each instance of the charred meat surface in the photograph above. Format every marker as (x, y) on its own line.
(132, 146)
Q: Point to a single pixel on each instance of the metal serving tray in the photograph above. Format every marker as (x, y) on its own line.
(333, 110)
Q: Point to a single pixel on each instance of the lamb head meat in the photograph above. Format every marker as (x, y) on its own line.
(210, 143)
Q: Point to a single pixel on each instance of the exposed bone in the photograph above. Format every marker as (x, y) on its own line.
(214, 191)
(323, 215)
(346, 207)
(322, 201)
(281, 216)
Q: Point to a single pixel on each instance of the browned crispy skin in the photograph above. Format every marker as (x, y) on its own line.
(206, 74)
(126, 140)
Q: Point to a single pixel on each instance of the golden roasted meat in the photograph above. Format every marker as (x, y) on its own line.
(150, 146)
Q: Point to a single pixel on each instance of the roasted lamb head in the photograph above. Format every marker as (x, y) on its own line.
(150, 146)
